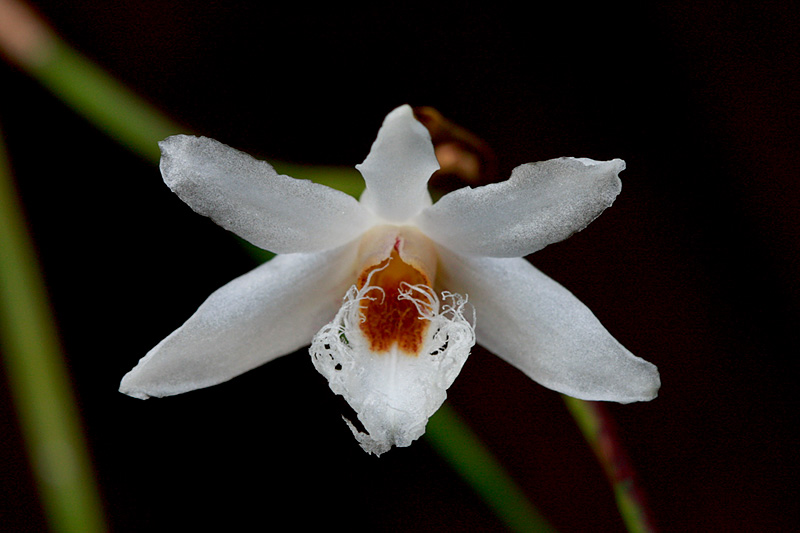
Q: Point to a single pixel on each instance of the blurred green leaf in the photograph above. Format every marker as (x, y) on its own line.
(39, 382)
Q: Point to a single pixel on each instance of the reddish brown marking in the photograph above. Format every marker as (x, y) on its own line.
(388, 320)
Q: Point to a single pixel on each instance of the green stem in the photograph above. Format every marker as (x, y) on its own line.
(459, 445)
(599, 430)
(38, 378)
(125, 117)
(104, 101)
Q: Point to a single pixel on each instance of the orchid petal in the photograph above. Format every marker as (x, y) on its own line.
(540, 204)
(270, 311)
(398, 167)
(249, 198)
(535, 324)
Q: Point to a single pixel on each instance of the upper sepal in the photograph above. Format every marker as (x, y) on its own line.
(398, 167)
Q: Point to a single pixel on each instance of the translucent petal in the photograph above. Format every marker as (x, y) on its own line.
(398, 167)
(539, 327)
(393, 393)
(270, 311)
(540, 204)
(247, 197)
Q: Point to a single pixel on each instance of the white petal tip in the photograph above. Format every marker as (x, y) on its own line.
(639, 385)
(650, 386)
(135, 394)
(404, 110)
(646, 384)
(130, 389)
(619, 164)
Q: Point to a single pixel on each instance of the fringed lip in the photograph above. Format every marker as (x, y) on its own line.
(395, 346)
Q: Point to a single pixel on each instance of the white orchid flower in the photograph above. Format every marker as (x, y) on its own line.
(358, 280)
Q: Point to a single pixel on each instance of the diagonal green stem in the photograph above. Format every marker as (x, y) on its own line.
(104, 101)
(110, 105)
(459, 445)
(600, 432)
(38, 379)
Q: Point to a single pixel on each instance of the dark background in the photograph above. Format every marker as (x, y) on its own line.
(694, 268)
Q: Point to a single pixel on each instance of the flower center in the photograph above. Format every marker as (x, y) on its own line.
(393, 318)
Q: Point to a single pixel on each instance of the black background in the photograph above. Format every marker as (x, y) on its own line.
(694, 268)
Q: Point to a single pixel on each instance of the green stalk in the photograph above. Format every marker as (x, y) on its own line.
(467, 455)
(131, 121)
(38, 378)
(104, 101)
(600, 432)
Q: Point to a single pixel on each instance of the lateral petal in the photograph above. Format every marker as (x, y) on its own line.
(540, 204)
(398, 167)
(535, 324)
(248, 197)
(268, 312)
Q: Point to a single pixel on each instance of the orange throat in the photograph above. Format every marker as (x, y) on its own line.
(389, 319)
